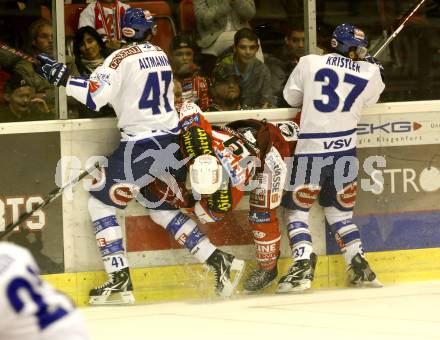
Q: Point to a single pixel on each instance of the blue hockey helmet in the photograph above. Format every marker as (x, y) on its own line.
(347, 37)
(136, 22)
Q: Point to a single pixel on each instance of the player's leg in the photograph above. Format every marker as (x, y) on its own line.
(349, 241)
(164, 212)
(226, 267)
(266, 233)
(300, 275)
(109, 238)
(109, 235)
(338, 210)
(115, 190)
(298, 203)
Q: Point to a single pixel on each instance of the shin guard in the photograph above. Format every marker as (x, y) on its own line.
(264, 224)
(346, 232)
(185, 231)
(108, 235)
(299, 234)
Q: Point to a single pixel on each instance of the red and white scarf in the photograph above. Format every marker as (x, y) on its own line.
(111, 27)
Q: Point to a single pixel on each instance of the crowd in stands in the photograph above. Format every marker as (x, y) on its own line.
(219, 64)
(219, 59)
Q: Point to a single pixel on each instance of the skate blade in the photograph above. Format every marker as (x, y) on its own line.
(123, 298)
(237, 266)
(289, 288)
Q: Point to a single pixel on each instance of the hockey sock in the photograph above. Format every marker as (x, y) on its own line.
(185, 231)
(267, 237)
(348, 239)
(346, 233)
(299, 234)
(108, 235)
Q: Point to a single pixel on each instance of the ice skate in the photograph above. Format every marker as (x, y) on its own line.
(361, 274)
(223, 265)
(260, 279)
(299, 277)
(116, 291)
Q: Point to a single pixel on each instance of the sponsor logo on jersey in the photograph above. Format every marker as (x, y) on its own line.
(276, 179)
(221, 201)
(93, 86)
(259, 196)
(103, 78)
(117, 59)
(337, 144)
(196, 140)
(289, 130)
(389, 127)
(194, 119)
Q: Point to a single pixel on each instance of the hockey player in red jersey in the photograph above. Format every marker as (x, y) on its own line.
(226, 161)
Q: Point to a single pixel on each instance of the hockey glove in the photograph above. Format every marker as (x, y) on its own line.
(369, 58)
(54, 72)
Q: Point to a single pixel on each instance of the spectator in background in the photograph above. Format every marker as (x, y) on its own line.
(105, 16)
(282, 62)
(16, 16)
(218, 20)
(224, 89)
(21, 103)
(40, 41)
(194, 86)
(255, 83)
(89, 51)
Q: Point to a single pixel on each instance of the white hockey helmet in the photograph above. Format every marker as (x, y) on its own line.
(188, 108)
(206, 175)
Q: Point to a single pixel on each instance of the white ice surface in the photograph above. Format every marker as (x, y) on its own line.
(406, 311)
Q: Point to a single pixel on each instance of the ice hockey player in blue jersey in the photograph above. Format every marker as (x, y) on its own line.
(137, 82)
(332, 90)
(30, 308)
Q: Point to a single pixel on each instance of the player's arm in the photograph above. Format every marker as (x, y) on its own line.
(94, 92)
(374, 88)
(293, 90)
(196, 132)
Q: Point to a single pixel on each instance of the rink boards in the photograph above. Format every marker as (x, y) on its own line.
(399, 222)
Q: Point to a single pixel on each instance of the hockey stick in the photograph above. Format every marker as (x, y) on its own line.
(18, 53)
(53, 195)
(400, 24)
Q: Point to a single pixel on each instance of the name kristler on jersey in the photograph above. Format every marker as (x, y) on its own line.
(343, 62)
(154, 61)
